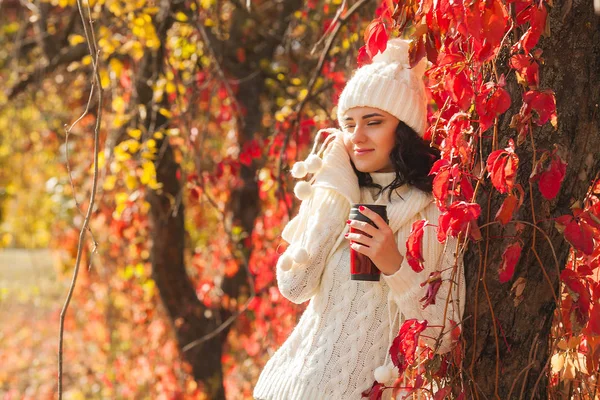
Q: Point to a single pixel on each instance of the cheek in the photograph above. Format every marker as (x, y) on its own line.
(347, 143)
(387, 139)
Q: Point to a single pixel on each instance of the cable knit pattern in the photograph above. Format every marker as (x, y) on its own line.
(346, 330)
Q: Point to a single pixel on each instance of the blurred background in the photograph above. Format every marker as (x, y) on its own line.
(227, 95)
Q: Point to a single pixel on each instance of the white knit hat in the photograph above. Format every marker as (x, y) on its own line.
(389, 84)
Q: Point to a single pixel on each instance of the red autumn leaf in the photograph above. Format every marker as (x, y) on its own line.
(502, 167)
(543, 103)
(593, 327)
(459, 85)
(580, 235)
(386, 9)
(433, 282)
(537, 23)
(402, 350)
(580, 294)
(431, 47)
(456, 218)
(440, 185)
(250, 151)
(510, 205)
(594, 322)
(490, 103)
(551, 179)
(466, 188)
(414, 245)
(495, 21)
(577, 233)
(375, 392)
(527, 68)
(507, 209)
(438, 165)
(510, 258)
(376, 37)
(591, 216)
(363, 57)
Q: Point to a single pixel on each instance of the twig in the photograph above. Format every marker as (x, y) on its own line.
(95, 81)
(533, 348)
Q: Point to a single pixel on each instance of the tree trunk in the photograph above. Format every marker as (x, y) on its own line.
(515, 350)
(191, 320)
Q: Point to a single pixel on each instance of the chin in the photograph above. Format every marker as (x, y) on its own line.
(365, 168)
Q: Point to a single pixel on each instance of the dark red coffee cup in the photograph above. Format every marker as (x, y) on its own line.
(361, 266)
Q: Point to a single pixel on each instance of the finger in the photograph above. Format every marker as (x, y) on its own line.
(373, 216)
(362, 239)
(364, 226)
(361, 249)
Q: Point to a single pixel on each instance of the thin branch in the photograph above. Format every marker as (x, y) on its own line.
(95, 81)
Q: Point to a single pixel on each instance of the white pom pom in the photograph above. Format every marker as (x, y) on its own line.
(303, 190)
(313, 163)
(300, 255)
(396, 51)
(383, 373)
(286, 262)
(299, 170)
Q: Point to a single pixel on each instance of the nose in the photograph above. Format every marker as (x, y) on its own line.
(358, 135)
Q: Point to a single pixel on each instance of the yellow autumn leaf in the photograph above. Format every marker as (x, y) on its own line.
(181, 16)
(101, 159)
(116, 66)
(76, 39)
(109, 182)
(130, 145)
(104, 79)
(148, 173)
(170, 87)
(302, 94)
(121, 154)
(118, 104)
(135, 133)
(130, 182)
(165, 112)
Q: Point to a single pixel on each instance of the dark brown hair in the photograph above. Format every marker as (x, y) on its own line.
(412, 157)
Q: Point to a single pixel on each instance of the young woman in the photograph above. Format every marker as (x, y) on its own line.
(341, 343)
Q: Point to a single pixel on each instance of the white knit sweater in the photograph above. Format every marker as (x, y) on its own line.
(347, 328)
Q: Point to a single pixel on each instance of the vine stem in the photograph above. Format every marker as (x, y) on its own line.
(91, 41)
(489, 300)
(547, 239)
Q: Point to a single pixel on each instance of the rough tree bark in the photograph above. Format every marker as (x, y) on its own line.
(572, 69)
(191, 319)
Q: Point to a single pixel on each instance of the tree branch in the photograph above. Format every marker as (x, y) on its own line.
(65, 57)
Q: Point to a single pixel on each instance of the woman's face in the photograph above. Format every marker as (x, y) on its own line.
(373, 131)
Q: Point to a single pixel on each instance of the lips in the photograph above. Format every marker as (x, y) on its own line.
(361, 152)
